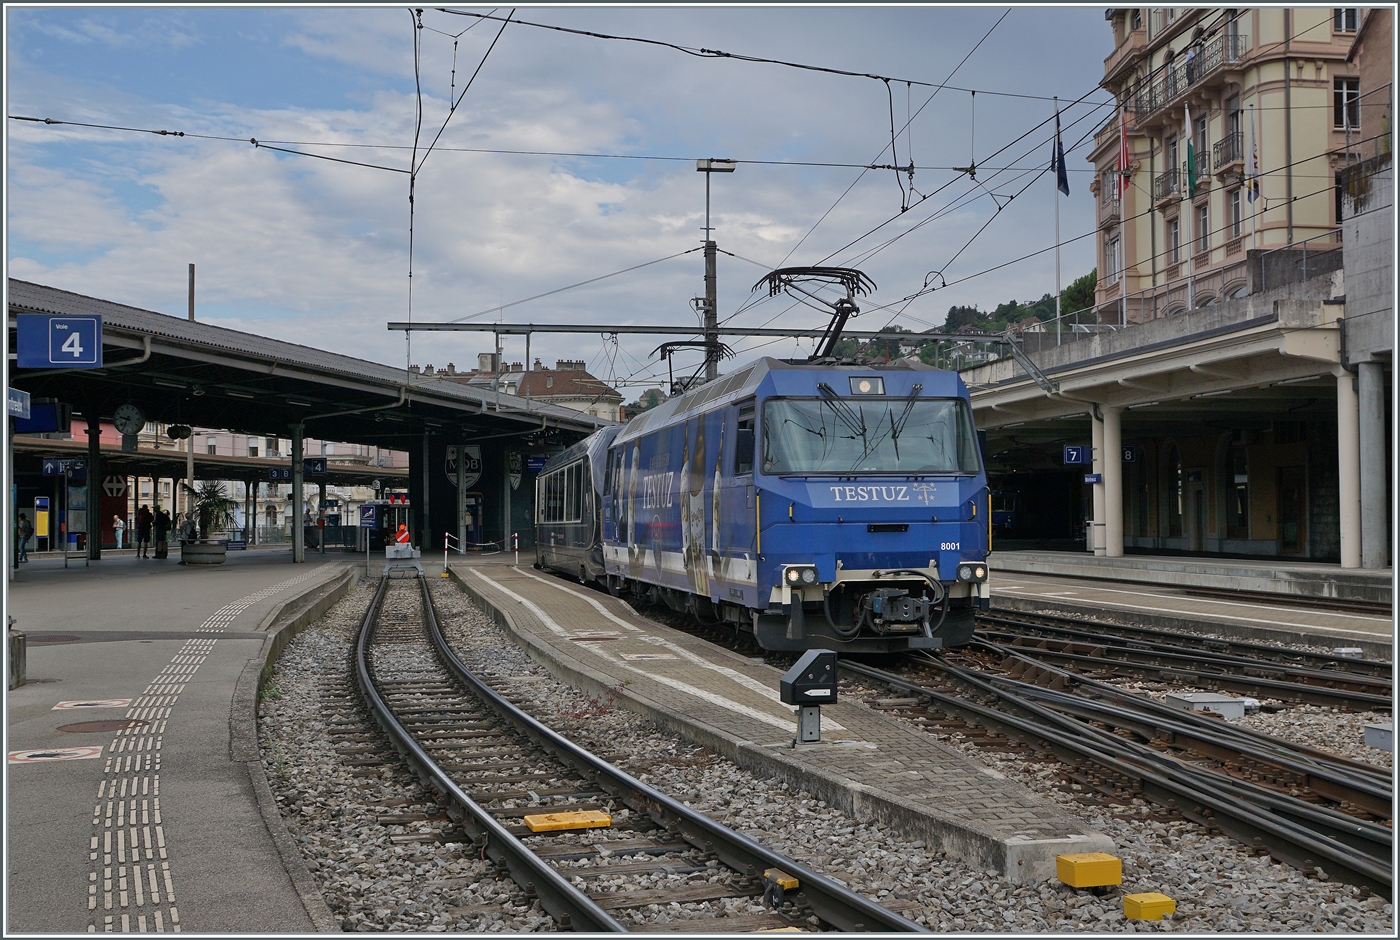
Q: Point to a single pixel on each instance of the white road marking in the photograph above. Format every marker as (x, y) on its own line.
(713, 697)
(748, 682)
(1175, 610)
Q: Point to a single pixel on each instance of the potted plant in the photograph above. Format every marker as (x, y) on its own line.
(212, 511)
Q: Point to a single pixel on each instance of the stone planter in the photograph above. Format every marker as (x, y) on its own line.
(203, 551)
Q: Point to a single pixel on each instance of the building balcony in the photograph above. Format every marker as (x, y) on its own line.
(1110, 209)
(1167, 185)
(1228, 155)
(1234, 246)
(1126, 53)
(1169, 83)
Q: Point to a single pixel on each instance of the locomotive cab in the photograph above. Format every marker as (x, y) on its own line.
(812, 505)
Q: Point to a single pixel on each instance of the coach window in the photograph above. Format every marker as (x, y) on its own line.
(743, 441)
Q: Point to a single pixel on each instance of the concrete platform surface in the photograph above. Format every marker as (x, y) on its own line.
(867, 764)
(1306, 579)
(125, 808)
(1174, 608)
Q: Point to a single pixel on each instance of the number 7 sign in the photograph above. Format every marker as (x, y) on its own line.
(43, 341)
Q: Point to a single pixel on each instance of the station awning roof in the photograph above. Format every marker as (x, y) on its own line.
(171, 463)
(181, 371)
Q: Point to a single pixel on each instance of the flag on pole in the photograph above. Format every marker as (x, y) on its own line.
(1190, 154)
(1124, 157)
(1057, 160)
(1251, 173)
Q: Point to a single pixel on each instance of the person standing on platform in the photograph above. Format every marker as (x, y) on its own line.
(162, 528)
(118, 529)
(144, 520)
(24, 529)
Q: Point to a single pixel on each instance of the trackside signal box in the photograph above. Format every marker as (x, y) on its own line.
(811, 681)
(809, 684)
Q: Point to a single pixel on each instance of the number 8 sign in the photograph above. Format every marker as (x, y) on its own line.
(44, 341)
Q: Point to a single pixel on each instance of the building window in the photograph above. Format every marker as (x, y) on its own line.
(1346, 102)
(1236, 214)
(1137, 19)
(1202, 141)
(1110, 260)
(1172, 155)
(211, 443)
(272, 449)
(1344, 19)
(1202, 228)
(1174, 241)
(1171, 14)
(252, 448)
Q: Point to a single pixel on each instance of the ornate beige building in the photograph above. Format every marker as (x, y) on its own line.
(1281, 76)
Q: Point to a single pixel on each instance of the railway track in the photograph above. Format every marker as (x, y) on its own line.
(495, 770)
(1304, 807)
(1106, 656)
(1261, 655)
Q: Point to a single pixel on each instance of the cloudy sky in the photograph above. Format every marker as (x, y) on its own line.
(317, 252)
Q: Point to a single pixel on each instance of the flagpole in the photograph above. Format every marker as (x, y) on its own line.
(1059, 325)
(1252, 182)
(1190, 211)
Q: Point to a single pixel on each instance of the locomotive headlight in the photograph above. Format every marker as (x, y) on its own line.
(972, 572)
(800, 574)
(794, 575)
(964, 572)
(809, 575)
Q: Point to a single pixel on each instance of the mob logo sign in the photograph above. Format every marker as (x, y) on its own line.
(43, 341)
(472, 467)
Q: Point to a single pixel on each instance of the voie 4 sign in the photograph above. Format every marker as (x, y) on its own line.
(48, 341)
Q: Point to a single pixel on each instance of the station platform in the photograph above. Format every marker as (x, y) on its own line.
(868, 764)
(130, 797)
(1316, 604)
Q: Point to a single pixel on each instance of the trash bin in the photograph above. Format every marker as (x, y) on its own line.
(18, 643)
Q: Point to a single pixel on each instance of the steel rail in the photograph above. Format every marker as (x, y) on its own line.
(1132, 661)
(1193, 640)
(834, 903)
(1374, 799)
(566, 903)
(1140, 649)
(1210, 806)
(1314, 758)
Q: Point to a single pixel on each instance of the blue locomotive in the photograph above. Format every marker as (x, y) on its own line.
(812, 505)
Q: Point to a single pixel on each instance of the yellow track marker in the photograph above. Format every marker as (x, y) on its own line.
(1089, 869)
(780, 878)
(556, 822)
(1148, 906)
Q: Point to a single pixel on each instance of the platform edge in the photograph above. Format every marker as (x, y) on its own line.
(1017, 859)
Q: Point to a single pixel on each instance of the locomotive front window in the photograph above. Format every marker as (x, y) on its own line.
(900, 435)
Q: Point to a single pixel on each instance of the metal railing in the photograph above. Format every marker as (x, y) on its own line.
(1169, 81)
(1229, 149)
(1167, 184)
(1289, 264)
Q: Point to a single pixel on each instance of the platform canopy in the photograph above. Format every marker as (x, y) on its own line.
(178, 371)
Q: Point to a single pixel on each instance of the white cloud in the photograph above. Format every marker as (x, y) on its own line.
(316, 252)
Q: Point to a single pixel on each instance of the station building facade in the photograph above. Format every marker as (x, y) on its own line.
(1279, 102)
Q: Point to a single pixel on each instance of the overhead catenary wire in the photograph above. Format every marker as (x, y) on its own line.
(703, 53)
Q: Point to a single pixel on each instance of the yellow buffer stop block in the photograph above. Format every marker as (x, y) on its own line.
(780, 878)
(1148, 906)
(555, 822)
(1089, 869)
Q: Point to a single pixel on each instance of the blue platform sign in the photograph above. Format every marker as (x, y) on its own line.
(1078, 454)
(313, 466)
(535, 464)
(43, 341)
(1132, 453)
(56, 467)
(1093, 478)
(369, 517)
(17, 403)
(279, 474)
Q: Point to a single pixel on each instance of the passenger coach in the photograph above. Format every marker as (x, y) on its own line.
(812, 505)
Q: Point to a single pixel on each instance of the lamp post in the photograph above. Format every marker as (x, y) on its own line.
(708, 166)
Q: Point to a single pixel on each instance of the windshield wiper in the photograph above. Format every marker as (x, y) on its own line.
(855, 424)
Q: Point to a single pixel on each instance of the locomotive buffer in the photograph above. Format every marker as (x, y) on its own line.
(809, 684)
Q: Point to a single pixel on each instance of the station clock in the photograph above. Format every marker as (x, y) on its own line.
(128, 419)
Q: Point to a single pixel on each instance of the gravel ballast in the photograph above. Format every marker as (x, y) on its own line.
(374, 884)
